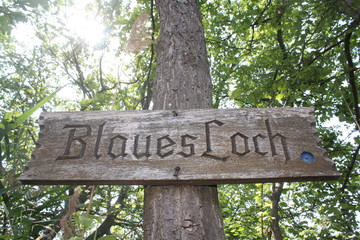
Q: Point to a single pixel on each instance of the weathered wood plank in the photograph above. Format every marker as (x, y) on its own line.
(210, 146)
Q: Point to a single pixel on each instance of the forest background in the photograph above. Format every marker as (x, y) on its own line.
(63, 55)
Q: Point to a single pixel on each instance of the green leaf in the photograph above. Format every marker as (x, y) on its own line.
(280, 96)
(5, 190)
(7, 237)
(29, 112)
(8, 116)
(87, 220)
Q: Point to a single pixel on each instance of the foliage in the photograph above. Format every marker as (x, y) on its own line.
(263, 53)
(13, 12)
(294, 53)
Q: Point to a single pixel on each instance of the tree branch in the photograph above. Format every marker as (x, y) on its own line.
(274, 213)
(280, 11)
(81, 77)
(148, 85)
(109, 221)
(50, 233)
(350, 8)
(352, 77)
(350, 168)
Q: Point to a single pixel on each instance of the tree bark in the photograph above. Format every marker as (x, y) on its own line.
(352, 78)
(274, 213)
(182, 82)
(182, 74)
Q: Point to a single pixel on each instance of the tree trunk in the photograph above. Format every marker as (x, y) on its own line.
(182, 74)
(274, 213)
(182, 82)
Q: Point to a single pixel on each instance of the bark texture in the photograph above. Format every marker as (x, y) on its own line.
(182, 82)
(182, 74)
(274, 213)
(182, 212)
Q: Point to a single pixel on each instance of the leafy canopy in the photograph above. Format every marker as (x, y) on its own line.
(263, 53)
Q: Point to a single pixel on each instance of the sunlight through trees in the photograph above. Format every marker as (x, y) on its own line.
(262, 53)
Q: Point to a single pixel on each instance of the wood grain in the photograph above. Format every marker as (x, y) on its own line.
(210, 146)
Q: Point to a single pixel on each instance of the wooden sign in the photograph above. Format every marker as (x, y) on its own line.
(197, 147)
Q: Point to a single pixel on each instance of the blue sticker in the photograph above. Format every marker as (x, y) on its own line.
(307, 157)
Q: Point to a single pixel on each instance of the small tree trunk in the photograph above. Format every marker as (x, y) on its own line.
(274, 213)
(182, 82)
